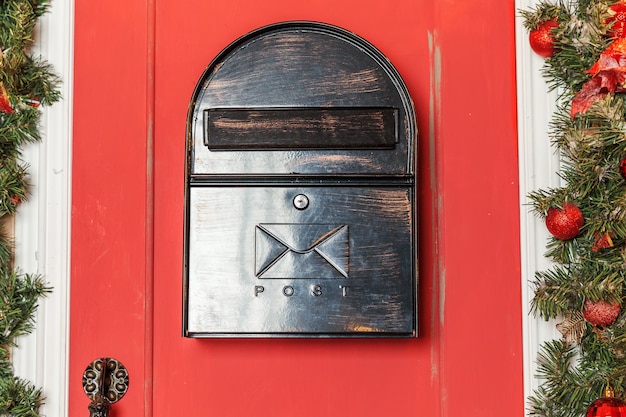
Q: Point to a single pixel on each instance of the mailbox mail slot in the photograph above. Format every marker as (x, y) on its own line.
(340, 128)
(300, 217)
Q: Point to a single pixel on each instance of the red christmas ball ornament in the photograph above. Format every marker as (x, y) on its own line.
(607, 406)
(565, 223)
(542, 39)
(601, 313)
(622, 167)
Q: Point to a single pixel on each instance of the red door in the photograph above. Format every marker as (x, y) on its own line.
(136, 65)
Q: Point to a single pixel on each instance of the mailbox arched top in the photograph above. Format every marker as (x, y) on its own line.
(301, 97)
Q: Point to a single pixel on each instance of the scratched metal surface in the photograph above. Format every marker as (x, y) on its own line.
(343, 265)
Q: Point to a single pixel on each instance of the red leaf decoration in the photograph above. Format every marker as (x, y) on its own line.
(613, 56)
(617, 20)
(609, 75)
(584, 98)
(602, 241)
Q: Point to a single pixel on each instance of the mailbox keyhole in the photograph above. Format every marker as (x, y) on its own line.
(301, 202)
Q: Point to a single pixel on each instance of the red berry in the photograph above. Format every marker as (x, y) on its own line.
(601, 313)
(565, 223)
(5, 104)
(33, 102)
(622, 168)
(542, 39)
(14, 200)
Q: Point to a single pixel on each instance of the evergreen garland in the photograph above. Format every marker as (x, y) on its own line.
(588, 69)
(26, 81)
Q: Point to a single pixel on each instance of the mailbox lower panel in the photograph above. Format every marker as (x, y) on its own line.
(307, 261)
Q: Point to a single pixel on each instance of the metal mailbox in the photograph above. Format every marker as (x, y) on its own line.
(300, 217)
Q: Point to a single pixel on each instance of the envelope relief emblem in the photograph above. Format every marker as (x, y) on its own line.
(301, 251)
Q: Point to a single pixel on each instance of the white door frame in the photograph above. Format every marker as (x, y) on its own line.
(538, 167)
(42, 225)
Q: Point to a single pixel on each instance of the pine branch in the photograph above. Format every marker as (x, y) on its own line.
(555, 293)
(19, 295)
(563, 386)
(580, 39)
(542, 200)
(29, 77)
(571, 379)
(17, 129)
(592, 265)
(543, 12)
(14, 186)
(6, 250)
(19, 398)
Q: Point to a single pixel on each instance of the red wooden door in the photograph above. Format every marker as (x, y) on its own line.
(136, 64)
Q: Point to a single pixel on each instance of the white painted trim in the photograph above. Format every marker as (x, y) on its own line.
(42, 225)
(538, 164)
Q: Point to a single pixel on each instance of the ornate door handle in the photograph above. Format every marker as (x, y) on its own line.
(105, 382)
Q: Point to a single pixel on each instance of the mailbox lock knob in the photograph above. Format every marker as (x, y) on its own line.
(301, 201)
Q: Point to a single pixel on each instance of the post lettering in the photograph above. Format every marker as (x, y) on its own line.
(344, 289)
(316, 290)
